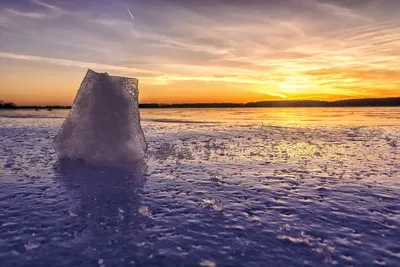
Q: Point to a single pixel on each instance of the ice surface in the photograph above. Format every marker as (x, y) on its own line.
(282, 203)
(103, 126)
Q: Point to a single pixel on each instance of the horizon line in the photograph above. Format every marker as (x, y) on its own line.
(233, 104)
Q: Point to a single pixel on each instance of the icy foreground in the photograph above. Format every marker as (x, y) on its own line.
(227, 193)
(103, 126)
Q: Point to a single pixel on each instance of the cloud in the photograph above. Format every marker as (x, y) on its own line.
(358, 73)
(273, 94)
(49, 6)
(32, 15)
(106, 22)
(166, 79)
(79, 64)
(335, 10)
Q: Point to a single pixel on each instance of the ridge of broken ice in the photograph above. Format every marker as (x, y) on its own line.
(103, 125)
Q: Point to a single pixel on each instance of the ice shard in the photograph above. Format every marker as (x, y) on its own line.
(103, 125)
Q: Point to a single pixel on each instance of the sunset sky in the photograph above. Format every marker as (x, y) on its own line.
(201, 50)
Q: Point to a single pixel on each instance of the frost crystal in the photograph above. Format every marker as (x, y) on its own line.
(103, 126)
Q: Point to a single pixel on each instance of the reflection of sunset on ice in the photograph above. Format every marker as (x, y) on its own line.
(317, 183)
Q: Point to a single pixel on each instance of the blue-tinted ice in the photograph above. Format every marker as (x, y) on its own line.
(223, 193)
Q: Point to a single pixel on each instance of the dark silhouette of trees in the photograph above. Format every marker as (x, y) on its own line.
(7, 105)
(193, 105)
(287, 103)
(365, 102)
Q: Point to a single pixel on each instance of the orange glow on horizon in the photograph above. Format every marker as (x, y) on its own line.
(58, 86)
(61, 89)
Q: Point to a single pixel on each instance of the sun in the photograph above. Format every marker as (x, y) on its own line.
(295, 84)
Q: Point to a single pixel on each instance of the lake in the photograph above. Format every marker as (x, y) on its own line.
(218, 187)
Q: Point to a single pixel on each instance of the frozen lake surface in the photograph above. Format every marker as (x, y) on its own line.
(219, 187)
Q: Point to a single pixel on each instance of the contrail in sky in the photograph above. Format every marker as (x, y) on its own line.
(130, 13)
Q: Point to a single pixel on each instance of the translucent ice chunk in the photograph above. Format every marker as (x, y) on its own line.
(103, 126)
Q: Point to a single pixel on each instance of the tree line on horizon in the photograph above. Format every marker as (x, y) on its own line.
(363, 102)
(7, 105)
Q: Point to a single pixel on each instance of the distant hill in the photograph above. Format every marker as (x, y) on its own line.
(288, 103)
(193, 105)
(364, 102)
(368, 102)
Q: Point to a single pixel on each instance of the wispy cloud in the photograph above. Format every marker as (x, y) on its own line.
(106, 22)
(47, 5)
(79, 64)
(273, 94)
(336, 10)
(32, 15)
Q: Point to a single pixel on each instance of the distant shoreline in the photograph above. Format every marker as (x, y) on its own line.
(363, 102)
